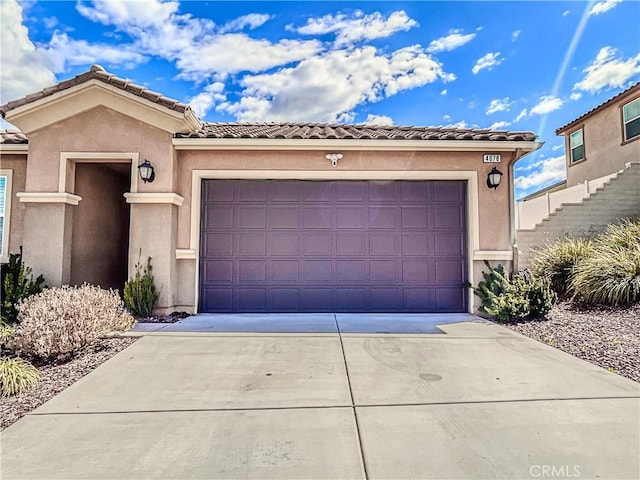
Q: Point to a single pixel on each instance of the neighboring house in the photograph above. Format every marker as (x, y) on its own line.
(603, 176)
(276, 217)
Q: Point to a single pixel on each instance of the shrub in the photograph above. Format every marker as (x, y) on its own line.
(17, 284)
(140, 295)
(507, 299)
(557, 262)
(611, 274)
(60, 321)
(16, 376)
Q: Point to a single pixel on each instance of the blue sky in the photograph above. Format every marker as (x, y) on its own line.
(512, 65)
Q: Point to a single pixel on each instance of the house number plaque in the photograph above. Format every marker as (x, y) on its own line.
(491, 158)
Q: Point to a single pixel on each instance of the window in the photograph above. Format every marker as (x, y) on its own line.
(631, 119)
(576, 143)
(5, 211)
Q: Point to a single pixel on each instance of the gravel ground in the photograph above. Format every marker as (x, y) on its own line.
(57, 377)
(609, 338)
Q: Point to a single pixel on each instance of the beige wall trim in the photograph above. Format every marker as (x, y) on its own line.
(14, 148)
(6, 230)
(185, 254)
(470, 176)
(172, 198)
(506, 255)
(347, 145)
(49, 197)
(98, 157)
(85, 96)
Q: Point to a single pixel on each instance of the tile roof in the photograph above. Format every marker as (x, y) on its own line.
(12, 137)
(629, 90)
(98, 73)
(307, 131)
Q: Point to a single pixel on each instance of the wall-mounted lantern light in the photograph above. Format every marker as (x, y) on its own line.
(147, 174)
(334, 157)
(494, 177)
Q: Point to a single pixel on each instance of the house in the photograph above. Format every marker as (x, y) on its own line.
(273, 217)
(603, 176)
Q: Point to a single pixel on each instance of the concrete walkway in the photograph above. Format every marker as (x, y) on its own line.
(473, 401)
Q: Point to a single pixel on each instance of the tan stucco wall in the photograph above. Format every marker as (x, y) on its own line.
(98, 130)
(18, 166)
(100, 226)
(605, 152)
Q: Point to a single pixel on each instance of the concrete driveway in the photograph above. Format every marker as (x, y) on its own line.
(469, 400)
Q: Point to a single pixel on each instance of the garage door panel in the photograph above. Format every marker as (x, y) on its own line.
(316, 243)
(284, 271)
(218, 271)
(449, 217)
(287, 246)
(251, 216)
(252, 299)
(251, 191)
(387, 244)
(351, 244)
(284, 244)
(250, 244)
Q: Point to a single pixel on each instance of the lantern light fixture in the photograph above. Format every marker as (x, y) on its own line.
(493, 178)
(147, 172)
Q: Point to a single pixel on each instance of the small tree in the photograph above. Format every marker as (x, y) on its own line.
(17, 284)
(140, 294)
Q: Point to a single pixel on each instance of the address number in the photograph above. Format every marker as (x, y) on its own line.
(491, 158)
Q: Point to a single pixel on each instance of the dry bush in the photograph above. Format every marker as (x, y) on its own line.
(60, 321)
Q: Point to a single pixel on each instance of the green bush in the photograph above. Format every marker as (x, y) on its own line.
(140, 295)
(611, 274)
(557, 262)
(507, 299)
(60, 321)
(16, 376)
(17, 284)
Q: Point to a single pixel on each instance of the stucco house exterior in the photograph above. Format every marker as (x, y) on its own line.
(274, 217)
(602, 151)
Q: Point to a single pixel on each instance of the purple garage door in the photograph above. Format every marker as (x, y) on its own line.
(333, 246)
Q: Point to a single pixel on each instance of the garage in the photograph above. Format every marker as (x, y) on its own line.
(333, 246)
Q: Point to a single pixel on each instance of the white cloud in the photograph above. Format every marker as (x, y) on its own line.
(359, 26)
(575, 96)
(24, 68)
(521, 115)
(515, 34)
(487, 61)
(566, 12)
(547, 172)
(381, 120)
(498, 125)
(608, 71)
(443, 92)
(555, 148)
(547, 104)
(447, 118)
(63, 51)
(343, 79)
(461, 124)
(212, 94)
(252, 21)
(50, 22)
(499, 105)
(604, 6)
(450, 42)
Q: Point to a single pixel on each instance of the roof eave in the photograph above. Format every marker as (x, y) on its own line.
(354, 144)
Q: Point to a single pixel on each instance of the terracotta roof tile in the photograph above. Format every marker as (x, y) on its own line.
(350, 132)
(635, 86)
(12, 137)
(98, 73)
